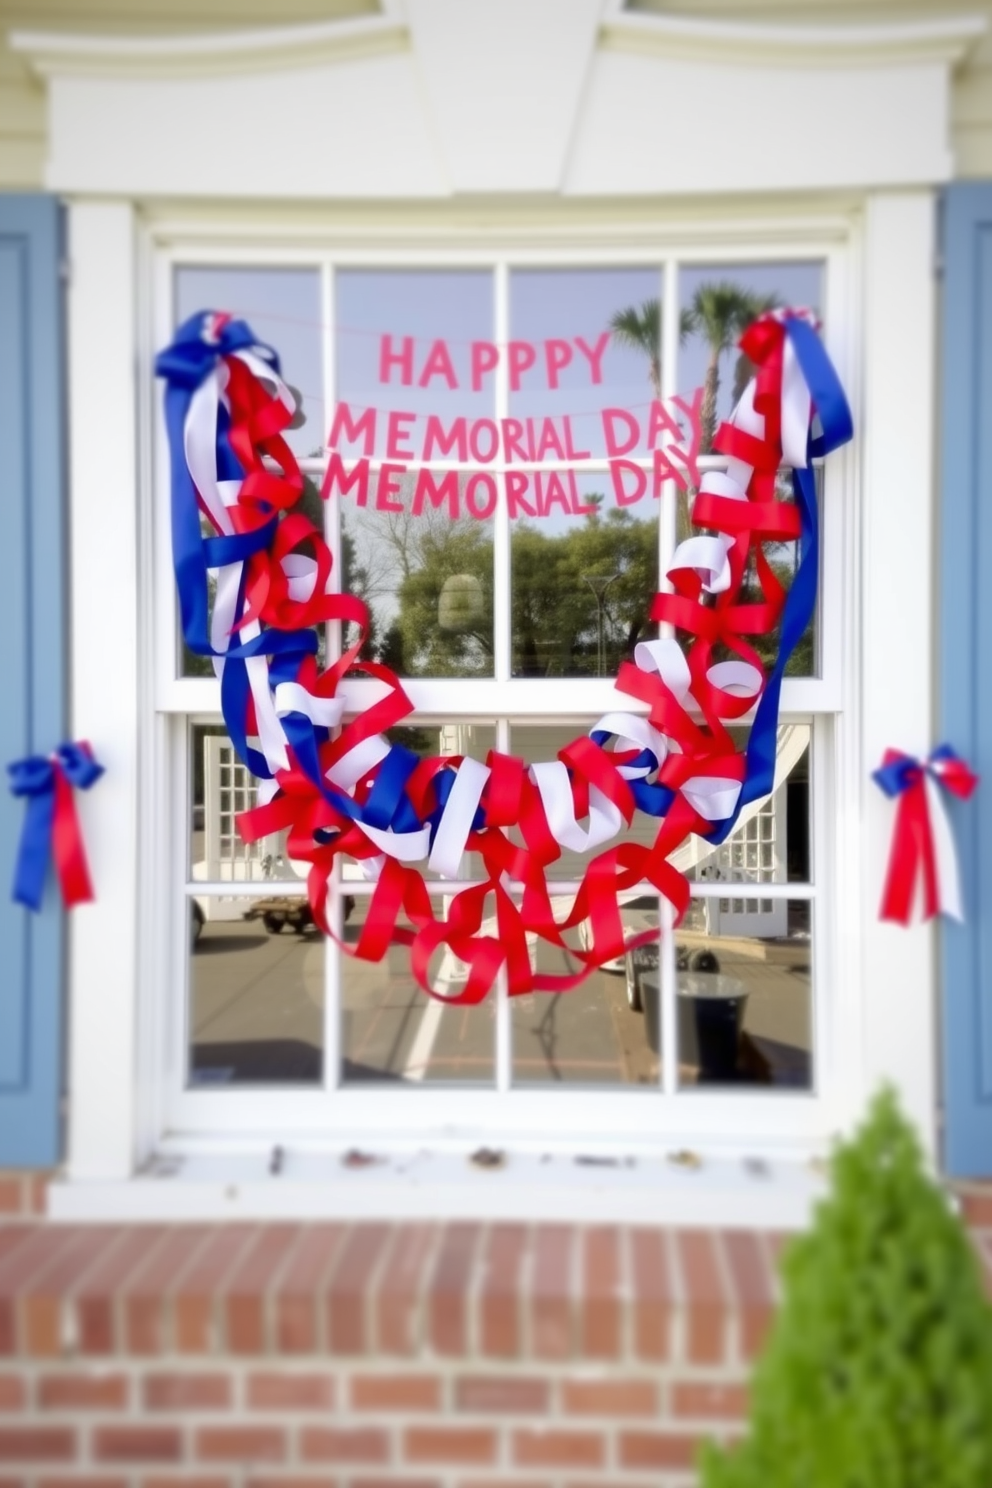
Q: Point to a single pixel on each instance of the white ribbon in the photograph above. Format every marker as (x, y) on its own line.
(456, 819)
(949, 899)
(552, 781)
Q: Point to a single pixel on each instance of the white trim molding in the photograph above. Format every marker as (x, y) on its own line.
(452, 98)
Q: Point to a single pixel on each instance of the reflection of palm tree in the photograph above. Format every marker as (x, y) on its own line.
(722, 312)
(640, 329)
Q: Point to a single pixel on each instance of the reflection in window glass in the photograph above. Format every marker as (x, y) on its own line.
(221, 787)
(716, 304)
(772, 841)
(403, 344)
(586, 1036)
(536, 743)
(745, 1004)
(427, 579)
(391, 1030)
(582, 584)
(283, 308)
(256, 992)
(597, 339)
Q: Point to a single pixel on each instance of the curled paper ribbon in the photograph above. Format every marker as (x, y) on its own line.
(51, 826)
(337, 786)
(922, 858)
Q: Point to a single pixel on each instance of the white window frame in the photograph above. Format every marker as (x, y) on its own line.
(883, 977)
(744, 1120)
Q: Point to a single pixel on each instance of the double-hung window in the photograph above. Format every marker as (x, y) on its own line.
(505, 584)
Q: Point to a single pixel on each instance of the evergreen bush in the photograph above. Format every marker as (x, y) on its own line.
(878, 1369)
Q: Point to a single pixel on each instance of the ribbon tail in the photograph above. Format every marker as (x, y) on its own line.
(949, 899)
(67, 846)
(32, 857)
(911, 857)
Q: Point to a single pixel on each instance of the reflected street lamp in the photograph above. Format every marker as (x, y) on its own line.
(599, 583)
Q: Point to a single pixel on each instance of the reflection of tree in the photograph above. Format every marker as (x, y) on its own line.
(720, 313)
(640, 329)
(556, 610)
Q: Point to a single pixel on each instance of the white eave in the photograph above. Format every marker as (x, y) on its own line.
(437, 99)
(946, 39)
(50, 53)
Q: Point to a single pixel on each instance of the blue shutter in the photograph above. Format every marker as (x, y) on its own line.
(32, 714)
(966, 665)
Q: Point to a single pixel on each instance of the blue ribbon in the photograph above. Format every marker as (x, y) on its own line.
(33, 778)
(837, 427)
(902, 773)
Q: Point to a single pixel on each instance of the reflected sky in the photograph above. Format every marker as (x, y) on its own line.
(283, 308)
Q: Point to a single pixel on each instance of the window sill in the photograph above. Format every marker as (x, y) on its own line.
(778, 1194)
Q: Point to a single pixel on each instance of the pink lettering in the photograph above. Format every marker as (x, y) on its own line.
(571, 452)
(614, 445)
(522, 356)
(557, 355)
(388, 359)
(454, 438)
(594, 354)
(550, 442)
(337, 476)
(553, 494)
(388, 485)
(348, 430)
(619, 471)
(397, 428)
(580, 509)
(438, 364)
(513, 433)
(427, 488)
(480, 451)
(517, 482)
(481, 478)
(484, 359)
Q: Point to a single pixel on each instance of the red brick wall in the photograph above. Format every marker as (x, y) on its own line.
(305, 1356)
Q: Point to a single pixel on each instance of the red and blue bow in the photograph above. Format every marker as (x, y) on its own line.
(51, 827)
(922, 856)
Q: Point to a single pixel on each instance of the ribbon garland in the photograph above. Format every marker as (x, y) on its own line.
(51, 827)
(922, 856)
(339, 787)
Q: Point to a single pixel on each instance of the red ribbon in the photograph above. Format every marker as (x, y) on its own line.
(913, 858)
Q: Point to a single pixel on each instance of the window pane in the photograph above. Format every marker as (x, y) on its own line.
(716, 303)
(582, 584)
(427, 578)
(392, 1030)
(256, 992)
(221, 787)
(537, 743)
(587, 1036)
(403, 344)
(283, 308)
(745, 1005)
(772, 842)
(596, 337)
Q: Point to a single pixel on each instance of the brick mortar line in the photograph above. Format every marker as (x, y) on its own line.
(733, 1334)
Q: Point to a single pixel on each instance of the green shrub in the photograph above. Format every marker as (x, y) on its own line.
(878, 1370)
